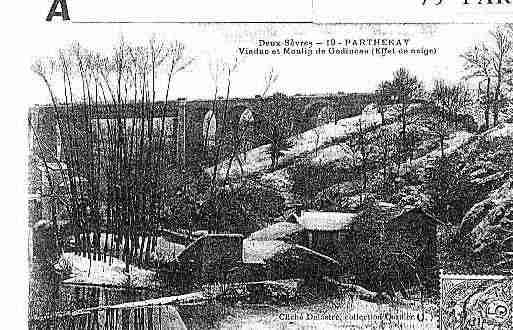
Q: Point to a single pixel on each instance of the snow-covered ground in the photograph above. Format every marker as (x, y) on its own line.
(258, 160)
(318, 144)
(95, 272)
(312, 143)
(453, 143)
(504, 130)
(332, 153)
(280, 178)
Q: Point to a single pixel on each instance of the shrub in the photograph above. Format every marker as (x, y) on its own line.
(242, 210)
(309, 178)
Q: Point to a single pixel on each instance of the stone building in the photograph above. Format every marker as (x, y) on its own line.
(207, 260)
(324, 232)
(406, 240)
(413, 231)
(219, 258)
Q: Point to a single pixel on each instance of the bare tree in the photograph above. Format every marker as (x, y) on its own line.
(478, 65)
(225, 138)
(502, 62)
(493, 66)
(363, 143)
(270, 79)
(404, 89)
(278, 130)
(221, 72)
(277, 118)
(112, 129)
(359, 148)
(383, 98)
(448, 101)
(317, 131)
(384, 143)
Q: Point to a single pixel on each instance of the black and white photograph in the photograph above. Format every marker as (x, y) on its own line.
(268, 176)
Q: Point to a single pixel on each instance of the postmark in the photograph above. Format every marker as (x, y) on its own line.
(476, 302)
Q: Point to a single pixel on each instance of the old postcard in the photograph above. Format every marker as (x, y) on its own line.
(274, 166)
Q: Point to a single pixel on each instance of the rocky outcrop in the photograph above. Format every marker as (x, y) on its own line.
(489, 223)
(488, 169)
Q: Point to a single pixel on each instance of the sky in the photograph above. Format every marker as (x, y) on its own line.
(296, 74)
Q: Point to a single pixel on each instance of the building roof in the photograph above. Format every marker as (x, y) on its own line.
(262, 252)
(385, 205)
(326, 221)
(258, 252)
(408, 211)
(276, 231)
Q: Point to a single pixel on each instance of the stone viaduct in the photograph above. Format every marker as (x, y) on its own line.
(192, 124)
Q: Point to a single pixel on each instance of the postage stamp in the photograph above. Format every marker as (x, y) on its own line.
(476, 302)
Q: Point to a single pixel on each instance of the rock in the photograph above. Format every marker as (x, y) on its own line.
(487, 179)
(486, 163)
(273, 291)
(489, 223)
(474, 216)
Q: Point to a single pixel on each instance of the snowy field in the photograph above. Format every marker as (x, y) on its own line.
(85, 271)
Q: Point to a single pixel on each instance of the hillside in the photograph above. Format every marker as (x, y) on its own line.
(479, 239)
(469, 189)
(257, 160)
(326, 146)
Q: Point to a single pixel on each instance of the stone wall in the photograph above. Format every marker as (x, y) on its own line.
(210, 259)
